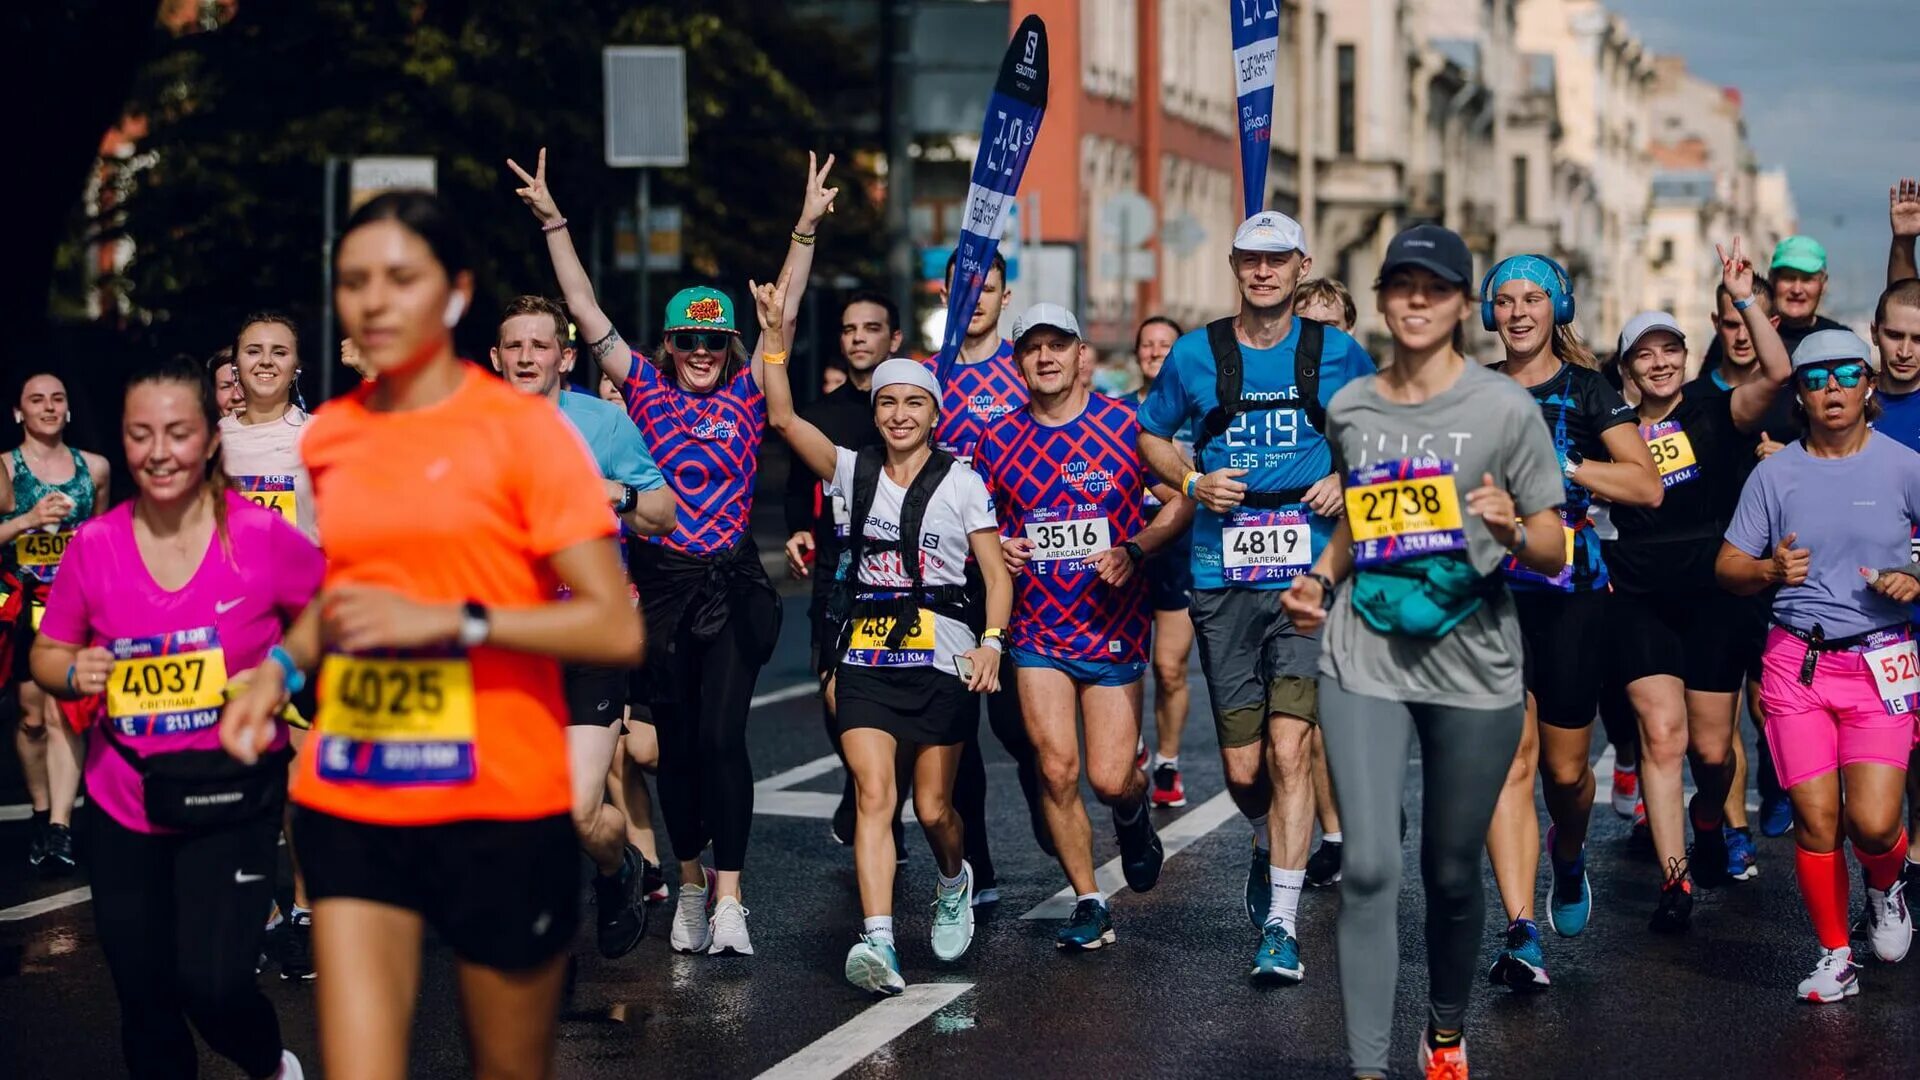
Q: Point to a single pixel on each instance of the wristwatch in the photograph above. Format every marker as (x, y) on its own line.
(629, 495)
(475, 624)
(1133, 552)
(1572, 464)
(1519, 538)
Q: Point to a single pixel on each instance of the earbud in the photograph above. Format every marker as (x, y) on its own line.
(69, 417)
(456, 307)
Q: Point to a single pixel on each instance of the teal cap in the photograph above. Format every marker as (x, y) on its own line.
(1802, 253)
(699, 308)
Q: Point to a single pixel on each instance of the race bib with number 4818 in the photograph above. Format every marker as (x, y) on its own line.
(867, 647)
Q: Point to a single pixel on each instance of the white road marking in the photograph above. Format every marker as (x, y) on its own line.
(1189, 827)
(797, 775)
(852, 1042)
(46, 903)
(785, 693)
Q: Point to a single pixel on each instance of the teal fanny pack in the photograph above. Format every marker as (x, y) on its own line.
(1422, 597)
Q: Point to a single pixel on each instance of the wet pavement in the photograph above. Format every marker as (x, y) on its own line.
(1171, 998)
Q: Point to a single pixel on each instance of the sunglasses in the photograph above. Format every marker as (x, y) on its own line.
(1847, 375)
(713, 342)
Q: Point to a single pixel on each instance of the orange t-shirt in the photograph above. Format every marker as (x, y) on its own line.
(462, 500)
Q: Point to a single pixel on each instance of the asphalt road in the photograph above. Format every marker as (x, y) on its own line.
(1170, 999)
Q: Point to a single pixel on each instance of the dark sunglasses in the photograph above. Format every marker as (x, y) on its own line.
(1847, 375)
(713, 342)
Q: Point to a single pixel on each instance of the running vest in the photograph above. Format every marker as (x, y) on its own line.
(904, 610)
(1228, 376)
(29, 489)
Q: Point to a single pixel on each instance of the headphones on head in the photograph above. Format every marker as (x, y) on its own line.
(1562, 297)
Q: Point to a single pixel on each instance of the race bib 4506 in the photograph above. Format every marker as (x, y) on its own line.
(1403, 509)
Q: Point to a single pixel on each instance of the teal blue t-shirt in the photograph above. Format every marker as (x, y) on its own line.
(613, 440)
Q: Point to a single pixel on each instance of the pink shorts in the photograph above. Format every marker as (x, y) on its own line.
(1839, 720)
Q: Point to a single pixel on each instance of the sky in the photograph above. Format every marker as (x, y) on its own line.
(1830, 89)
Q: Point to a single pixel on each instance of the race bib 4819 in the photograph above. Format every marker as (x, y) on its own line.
(1265, 545)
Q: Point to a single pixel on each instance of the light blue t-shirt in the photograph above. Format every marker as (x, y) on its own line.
(613, 440)
(1848, 512)
(1280, 450)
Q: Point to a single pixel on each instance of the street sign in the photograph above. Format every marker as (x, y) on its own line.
(645, 94)
(1126, 266)
(1127, 219)
(663, 239)
(371, 176)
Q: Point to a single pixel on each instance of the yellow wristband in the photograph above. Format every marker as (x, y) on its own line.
(1186, 485)
(991, 632)
(774, 358)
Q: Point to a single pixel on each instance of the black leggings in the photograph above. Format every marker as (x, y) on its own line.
(970, 783)
(706, 781)
(180, 919)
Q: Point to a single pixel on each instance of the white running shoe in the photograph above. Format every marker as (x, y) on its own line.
(1891, 922)
(729, 930)
(692, 932)
(290, 1067)
(1836, 976)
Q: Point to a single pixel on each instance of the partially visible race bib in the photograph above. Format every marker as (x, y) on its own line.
(39, 553)
(397, 719)
(1895, 664)
(1266, 545)
(868, 645)
(168, 684)
(276, 493)
(1672, 452)
(1403, 509)
(1068, 535)
(1516, 571)
(840, 510)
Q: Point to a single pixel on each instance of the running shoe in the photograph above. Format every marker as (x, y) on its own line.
(952, 918)
(1089, 928)
(620, 916)
(1709, 860)
(1892, 922)
(1278, 958)
(844, 815)
(653, 882)
(899, 842)
(1140, 758)
(1570, 902)
(1836, 976)
(296, 947)
(1640, 835)
(1743, 859)
(1673, 914)
(1141, 852)
(692, 930)
(874, 966)
(1776, 815)
(1259, 888)
(1522, 964)
(37, 841)
(986, 887)
(1626, 789)
(58, 861)
(1323, 866)
(290, 1067)
(1168, 792)
(729, 929)
(1443, 1062)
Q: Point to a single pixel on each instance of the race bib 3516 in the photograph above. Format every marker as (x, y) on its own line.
(1070, 536)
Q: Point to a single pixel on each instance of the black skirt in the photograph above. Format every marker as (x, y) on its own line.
(920, 705)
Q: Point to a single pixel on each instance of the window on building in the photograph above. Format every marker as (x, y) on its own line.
(1345, 71)
(1666, 251)
(1520, 204)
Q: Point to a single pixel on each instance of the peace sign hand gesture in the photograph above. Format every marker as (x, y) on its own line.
(535, 193)
(818, 202)
(1736, 270)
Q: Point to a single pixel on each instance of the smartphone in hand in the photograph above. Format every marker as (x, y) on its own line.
(963, 667)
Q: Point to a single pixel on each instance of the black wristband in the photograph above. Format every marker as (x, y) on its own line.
(1326, 586)
(1133, 552)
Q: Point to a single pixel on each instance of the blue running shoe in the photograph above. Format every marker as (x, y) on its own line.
(1259, 889)
(874, 966)
(1522, 965)
(1570, 903)
(1776, 815)
(1278, 960)
(1089, 928)
(1743, 859)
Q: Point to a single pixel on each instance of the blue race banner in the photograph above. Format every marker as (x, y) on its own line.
(1006, 139)
(1256, 50)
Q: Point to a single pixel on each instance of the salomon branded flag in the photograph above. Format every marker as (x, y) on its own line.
(1256, 49)
(1013, 120)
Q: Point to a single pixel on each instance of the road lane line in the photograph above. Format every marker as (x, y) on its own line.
(797, 775)
(785, 693)
(1174, 838)
(854, 1041)
(47, 903)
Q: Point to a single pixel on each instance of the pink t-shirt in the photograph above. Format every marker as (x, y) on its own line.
(235, 603)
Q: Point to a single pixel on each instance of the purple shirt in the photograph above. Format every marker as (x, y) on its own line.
(1848, 512)
(238, 601)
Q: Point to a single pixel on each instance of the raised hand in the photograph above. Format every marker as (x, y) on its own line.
(1903, 208)
(535, 192)
(769, 302)
(818, 201)
(1736, 270)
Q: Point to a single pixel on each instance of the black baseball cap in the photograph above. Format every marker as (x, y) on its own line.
(1430, 247)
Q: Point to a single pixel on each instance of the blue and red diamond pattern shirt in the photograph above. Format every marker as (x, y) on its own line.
(1075, 491)
(707, 445)
(974, 397)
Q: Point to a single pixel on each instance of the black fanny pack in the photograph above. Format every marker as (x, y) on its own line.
(206, 789)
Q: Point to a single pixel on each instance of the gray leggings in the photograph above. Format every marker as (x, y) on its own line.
(1465, 754)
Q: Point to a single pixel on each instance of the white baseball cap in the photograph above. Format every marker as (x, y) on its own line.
(1646, 323)
(904, 369)
(1270, 230)
(1043, 314)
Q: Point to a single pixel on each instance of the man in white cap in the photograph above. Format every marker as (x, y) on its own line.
(1257, 385)
(1065, 475)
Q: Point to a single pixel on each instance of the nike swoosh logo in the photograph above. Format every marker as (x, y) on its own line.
(223, 606)
(241, 877)
(439, 468)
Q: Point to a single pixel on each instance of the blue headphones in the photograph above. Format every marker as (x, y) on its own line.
(1529, 268)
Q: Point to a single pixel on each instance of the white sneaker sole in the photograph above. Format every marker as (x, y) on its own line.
(1100, 942)
(1814, 997)
(1894, 955)
(870, 973)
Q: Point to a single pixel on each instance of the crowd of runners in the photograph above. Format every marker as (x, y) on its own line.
(446, 707)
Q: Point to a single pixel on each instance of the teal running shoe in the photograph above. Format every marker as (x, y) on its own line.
(1570, 903)
(1259, 889)
(874, 966)
(1278, 959)
(953, 917)
(1522, 964)
(1089, 928)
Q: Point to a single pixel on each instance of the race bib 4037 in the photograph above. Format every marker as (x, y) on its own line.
(167, 684)
(397, 719)
(1404, 509)
(1265, 545)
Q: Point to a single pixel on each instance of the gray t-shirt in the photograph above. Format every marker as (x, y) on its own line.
(1484, 423)
(1848, 513)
